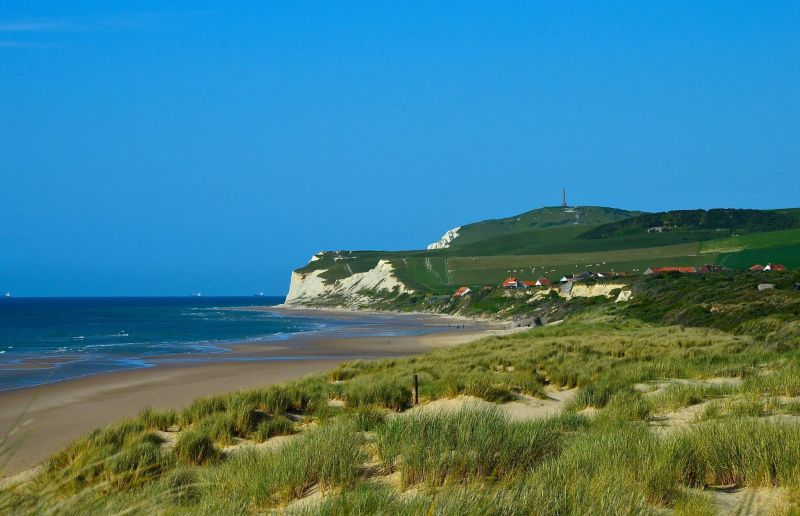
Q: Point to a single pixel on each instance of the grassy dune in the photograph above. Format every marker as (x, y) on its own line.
(350, 443)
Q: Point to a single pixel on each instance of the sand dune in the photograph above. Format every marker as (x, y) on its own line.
(45, 418)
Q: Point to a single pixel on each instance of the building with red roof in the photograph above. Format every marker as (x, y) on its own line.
(511, 282)
(769, 267)
(463, 291)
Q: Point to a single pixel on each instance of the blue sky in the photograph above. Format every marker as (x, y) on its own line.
(171, 147)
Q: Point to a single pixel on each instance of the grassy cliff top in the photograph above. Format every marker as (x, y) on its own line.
(556, 241)
(540, 219)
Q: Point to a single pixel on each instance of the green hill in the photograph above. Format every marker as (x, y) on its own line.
(555, 241)
(719, 220)
(539, 220)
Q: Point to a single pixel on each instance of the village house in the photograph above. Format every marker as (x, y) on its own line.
(661, 270)
(606, 274)
(543, 282)
(769, 267)
(512, 282)
(463, 291)
(577, 277)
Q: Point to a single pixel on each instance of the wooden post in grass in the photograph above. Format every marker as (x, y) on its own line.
(415, 390)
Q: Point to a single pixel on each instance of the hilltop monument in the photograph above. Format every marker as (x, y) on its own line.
(563, 197)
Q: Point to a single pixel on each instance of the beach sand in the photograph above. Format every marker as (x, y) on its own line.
(47, 417)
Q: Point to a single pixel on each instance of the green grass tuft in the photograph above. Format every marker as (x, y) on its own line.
(277, 425)
(195, 447)
(444, 448)
(380, 392)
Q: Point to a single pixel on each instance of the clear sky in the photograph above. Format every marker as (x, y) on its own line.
(156, 147)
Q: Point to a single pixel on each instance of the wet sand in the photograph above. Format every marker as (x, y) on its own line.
(45, 418)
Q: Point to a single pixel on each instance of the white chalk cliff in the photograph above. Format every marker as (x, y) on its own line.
(446, 240)
(307, 287)
(600, 289)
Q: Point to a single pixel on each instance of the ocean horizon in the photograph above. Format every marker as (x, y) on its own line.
(48, 340)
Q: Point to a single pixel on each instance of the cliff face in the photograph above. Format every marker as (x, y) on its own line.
(446, 240)
(310, 287)
(605, 290)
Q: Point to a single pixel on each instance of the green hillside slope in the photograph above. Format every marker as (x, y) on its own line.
(720, 220)
(552, 242)
(540, 219)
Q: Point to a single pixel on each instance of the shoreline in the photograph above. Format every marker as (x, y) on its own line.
(42, 419)
(344, 312)
(358, 323)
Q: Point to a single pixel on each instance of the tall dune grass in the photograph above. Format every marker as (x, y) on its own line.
(464, 462)
(330, 456)
(739, 452)
(444, 448)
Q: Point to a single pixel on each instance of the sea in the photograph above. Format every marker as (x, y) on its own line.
(46, 340)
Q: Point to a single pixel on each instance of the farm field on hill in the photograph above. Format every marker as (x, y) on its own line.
(569, 239)
(464, 269)
(785, 238)
(788, 256)
(432, 273)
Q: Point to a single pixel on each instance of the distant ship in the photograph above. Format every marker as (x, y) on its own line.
(197, 294)
(259, 294)
(7, 294)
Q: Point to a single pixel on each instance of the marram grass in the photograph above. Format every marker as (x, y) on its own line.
(601, 455)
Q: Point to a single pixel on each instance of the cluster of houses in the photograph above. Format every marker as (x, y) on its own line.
(712, 268)
(684, 270)
(515, 283)
(768, 267)
(543, 281)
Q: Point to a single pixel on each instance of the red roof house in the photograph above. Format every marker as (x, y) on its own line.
(463, 291)
(543, 282)
(511, 282)
(769, 267)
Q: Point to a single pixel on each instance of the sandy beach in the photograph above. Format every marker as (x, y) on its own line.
(43, 419)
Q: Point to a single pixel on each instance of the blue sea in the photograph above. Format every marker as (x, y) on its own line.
(45, 340)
